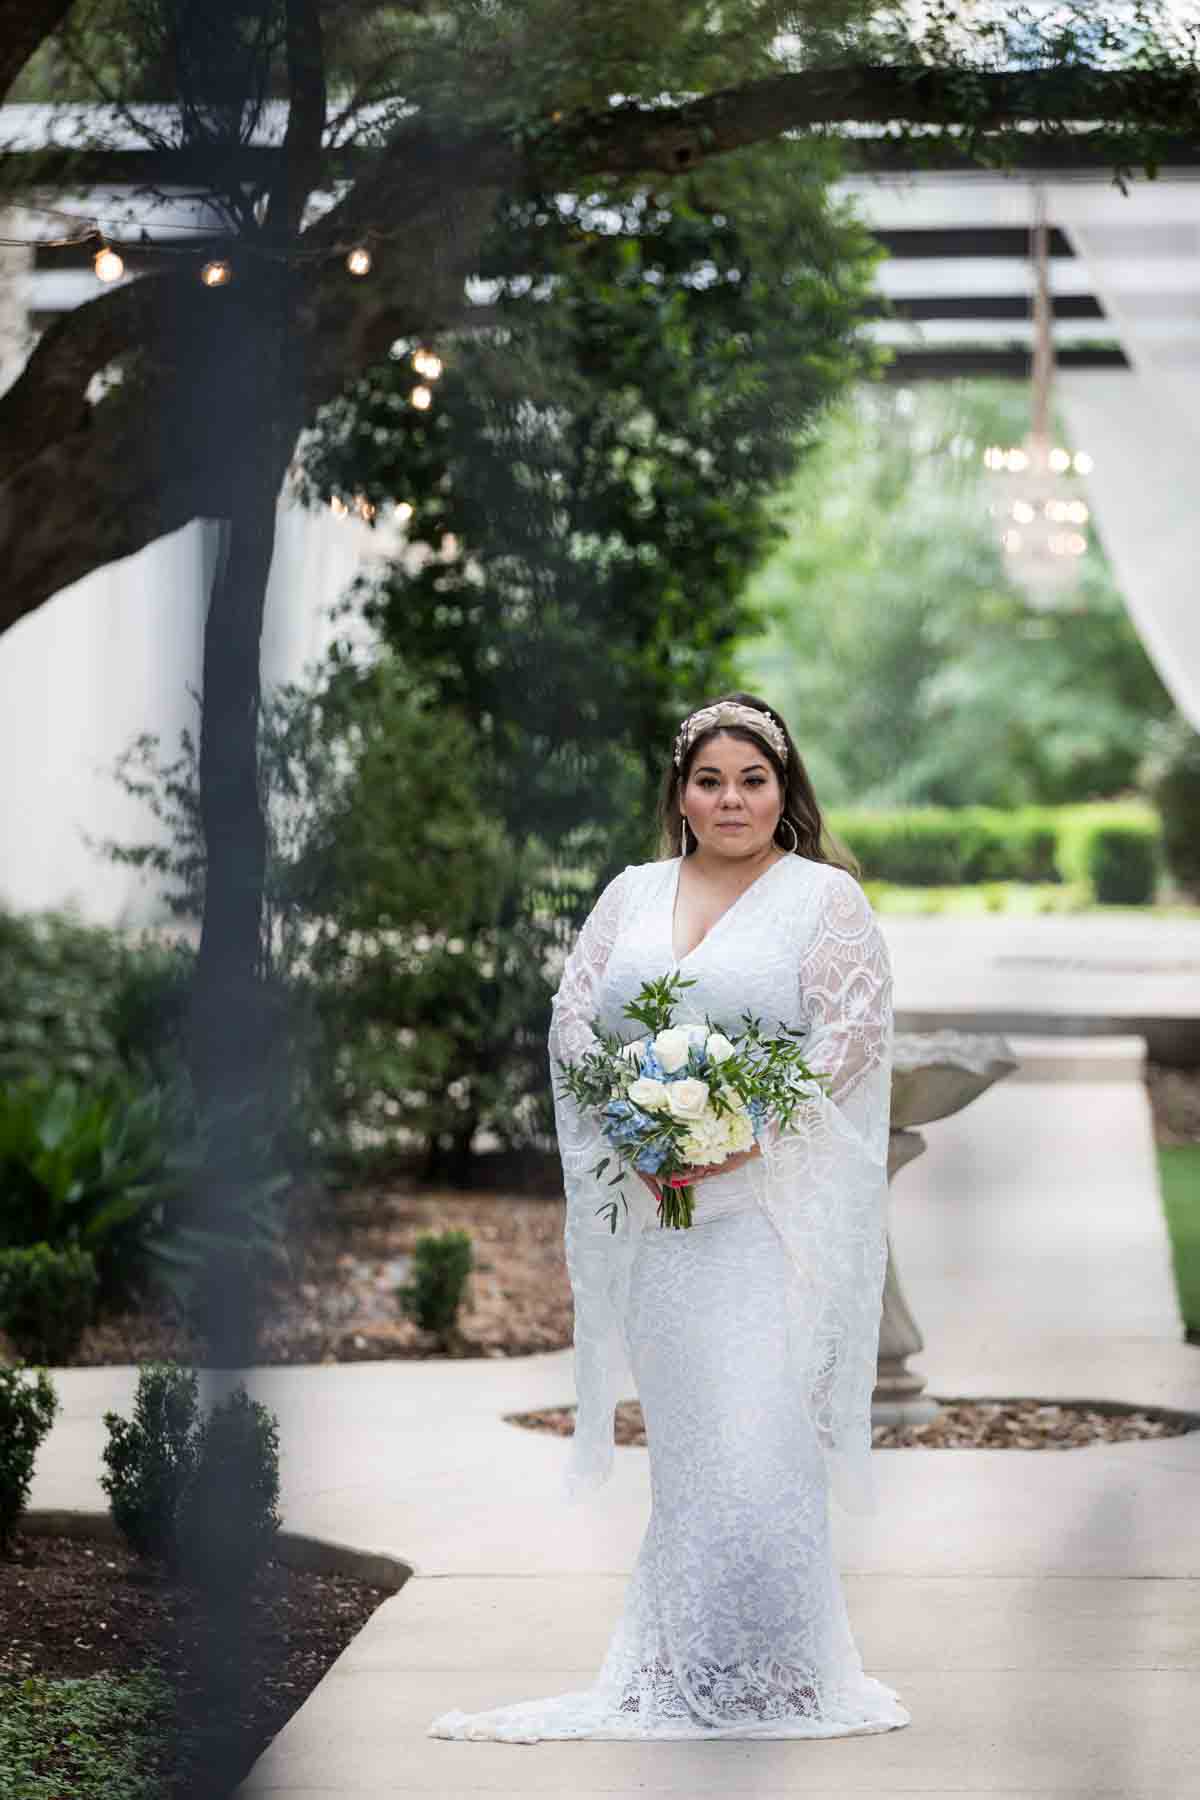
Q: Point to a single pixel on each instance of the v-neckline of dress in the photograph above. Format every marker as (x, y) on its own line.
(678, 961)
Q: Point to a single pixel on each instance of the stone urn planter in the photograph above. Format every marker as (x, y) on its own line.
(934, 1074)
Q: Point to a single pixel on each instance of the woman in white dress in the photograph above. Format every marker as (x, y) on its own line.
(750, 1337)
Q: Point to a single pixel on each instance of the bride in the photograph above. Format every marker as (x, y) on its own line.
(750, 1337)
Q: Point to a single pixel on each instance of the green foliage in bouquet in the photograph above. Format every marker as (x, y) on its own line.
(27, 1412)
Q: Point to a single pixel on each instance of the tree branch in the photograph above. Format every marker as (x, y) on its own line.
(629, 140)
(24, 25)
(79, 486)
(300, 168)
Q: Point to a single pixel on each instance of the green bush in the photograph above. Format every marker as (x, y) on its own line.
(1173, 776)
(228, 1513)
(200, 1494)
(55, 978)
(83, 1001)
(953, 846)
(440, 1269)
(1082, 860)
(89, 1168)
(149, 1459)
(27, 1412)
(1122, 864)
(47, 1298)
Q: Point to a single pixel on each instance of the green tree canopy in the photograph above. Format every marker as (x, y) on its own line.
(908, 663)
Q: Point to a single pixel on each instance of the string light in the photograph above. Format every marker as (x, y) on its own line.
(216, 274)
(427, 364)
(404, 511)
(421, 398)
(108, 265)
(364, 507)
(359, 260)
(338, 507)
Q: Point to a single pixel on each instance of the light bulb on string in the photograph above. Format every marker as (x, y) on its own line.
(427, 364)
(359, 260)
(216, 274)
(108, 265)
(421, 398)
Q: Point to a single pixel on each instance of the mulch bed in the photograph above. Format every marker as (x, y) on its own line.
(333, 1300)
(961, 1425)
(73, 1607)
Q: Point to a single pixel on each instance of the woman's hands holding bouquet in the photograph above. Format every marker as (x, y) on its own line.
(698, 1172)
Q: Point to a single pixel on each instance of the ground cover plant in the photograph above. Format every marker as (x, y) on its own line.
(95, 1662)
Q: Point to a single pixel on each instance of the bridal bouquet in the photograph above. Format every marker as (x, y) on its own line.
(684, 1096)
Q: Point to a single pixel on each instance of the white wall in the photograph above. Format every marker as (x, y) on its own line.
(113, 656)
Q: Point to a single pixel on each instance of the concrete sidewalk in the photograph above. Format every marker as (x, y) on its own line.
(1039, 1612)
(1073, 973)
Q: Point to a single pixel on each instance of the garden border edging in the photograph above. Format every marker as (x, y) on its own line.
(295, 1549)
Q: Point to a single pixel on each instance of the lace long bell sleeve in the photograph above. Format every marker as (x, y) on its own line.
(598, 1259)
(825, 1178)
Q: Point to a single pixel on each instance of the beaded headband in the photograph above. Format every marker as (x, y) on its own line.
(730, 712)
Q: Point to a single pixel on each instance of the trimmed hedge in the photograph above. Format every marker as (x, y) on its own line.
(1116, 849)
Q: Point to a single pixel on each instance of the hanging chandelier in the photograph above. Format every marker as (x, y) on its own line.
(1039, 510)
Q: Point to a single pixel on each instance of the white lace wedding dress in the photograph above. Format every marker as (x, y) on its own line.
(749, 1338)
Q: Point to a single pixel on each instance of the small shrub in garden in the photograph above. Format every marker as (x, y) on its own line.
(1122, 864)
(150, 1459)
(228, 1513)
(47, 1298)
(440, 1269)
(199, 1493)
(27, 1412)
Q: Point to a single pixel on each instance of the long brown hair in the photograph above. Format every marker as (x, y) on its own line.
(800, 810)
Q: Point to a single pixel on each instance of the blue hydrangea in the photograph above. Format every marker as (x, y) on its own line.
(650, 1159)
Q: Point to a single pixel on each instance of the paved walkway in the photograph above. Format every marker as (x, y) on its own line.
(1039, 1611)
(1097, 972)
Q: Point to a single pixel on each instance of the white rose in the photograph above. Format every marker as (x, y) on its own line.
(635, 1051)
(687, 1099)
(718, 1048)
(671, 1048)
(648, 1093)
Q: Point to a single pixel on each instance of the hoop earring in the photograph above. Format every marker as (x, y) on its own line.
(795, 835)
(683, 836)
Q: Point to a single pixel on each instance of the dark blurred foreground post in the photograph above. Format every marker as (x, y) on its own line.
(234, 1032)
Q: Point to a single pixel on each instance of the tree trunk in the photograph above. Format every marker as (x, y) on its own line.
(226, 1051)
